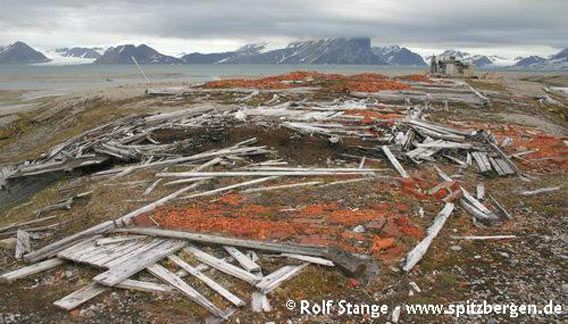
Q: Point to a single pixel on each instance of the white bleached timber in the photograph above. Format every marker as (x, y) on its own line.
(420, 249)
(23, 244)
(222, 265)
(151, 187)
(269, 282)
(539, 191)
(80, 296)
(231, 187)
(480, 192)
(118, 239)
(135, 264)
(394, 161)
(31, 269)
(169, 277)
(208, 281)
(260, 173)
(310, 259)
(145, 286)
(242, 259)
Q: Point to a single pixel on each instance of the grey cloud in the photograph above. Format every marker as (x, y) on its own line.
(482, 23)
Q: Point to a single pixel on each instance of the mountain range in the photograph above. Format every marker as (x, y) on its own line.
(558, 61)
(21, 53)
(321, 51)
(80, 52)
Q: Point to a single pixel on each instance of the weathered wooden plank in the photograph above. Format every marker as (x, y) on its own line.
(222, 265)
(145, 286)
(132, 253)
(167, 276)
(31, 269)
(539, 191)
(242, 259)
(23, 244)
(394, 161)
(53, 248)
(208, 281)
(266, 286)
(416, 254)
(117, 239)
(221, 240)
(310, 259)
(230, 187)
(131, 266)
(80, 296)
(480, 191)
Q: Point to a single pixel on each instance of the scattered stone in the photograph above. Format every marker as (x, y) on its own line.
(359, 229)
(455, 248)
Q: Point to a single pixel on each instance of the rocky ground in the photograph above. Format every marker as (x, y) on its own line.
(530, 269)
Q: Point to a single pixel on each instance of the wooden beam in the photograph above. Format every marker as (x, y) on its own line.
(222, 265)
(269, 283)
(394, 162)
(135, 264)
(242, 259)
(208, 281)
(416, 254)
(221, 240)
(167, 276)
(31, 270)
(80, 296)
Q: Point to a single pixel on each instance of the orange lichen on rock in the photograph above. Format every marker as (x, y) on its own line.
(366, 82)
(327, 224)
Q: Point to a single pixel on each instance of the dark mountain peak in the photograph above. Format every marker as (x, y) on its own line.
(20, 53)
(143, 54)
(398, 56)
(80, 52)
(563, 54)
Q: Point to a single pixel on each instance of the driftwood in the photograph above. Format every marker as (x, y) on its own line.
(539, 191)
(394, 162)
(416, 254)
(23, 244)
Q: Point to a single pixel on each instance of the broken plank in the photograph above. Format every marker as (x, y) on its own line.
(310, 259)
(271, 283)
(480, 191)
(80, 296)
(135, 264)
(394, 162)
(222, 265)
(23, 244)
(118, 239)
(242, 259)
(145, 286)
(31, 269)
(234, 186)
(208, 281)
(169, 277)
(539, 191)
(416, 254)
(53, 248)
(216, 239)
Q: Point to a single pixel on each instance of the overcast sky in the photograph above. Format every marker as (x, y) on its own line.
(504, 27)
